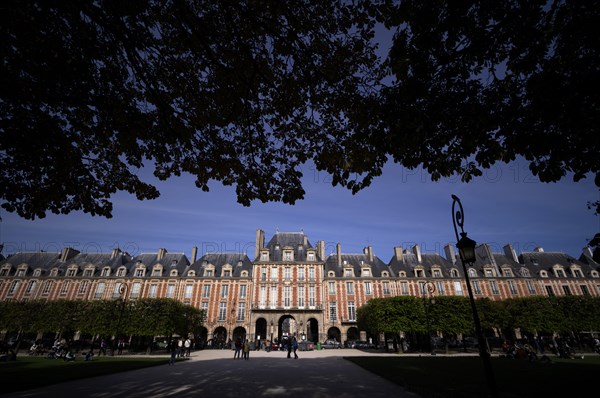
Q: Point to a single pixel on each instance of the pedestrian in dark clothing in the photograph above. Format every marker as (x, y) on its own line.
(295, 347)
(174, 350)
(289, 348)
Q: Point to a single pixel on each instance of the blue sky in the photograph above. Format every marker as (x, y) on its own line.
(400, 208)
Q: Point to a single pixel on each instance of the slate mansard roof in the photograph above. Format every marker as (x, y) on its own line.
(239, 262)
(296, 241)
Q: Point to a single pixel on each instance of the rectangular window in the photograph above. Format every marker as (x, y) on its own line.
(476, 287)
(507, 272)
(170, 291)
(530, 286)
(274, 274)
(262, 298)
(13, 287)
(458, 290)
(121, 272)
(140, 272)
(88, 272)
(106, 272)
(227, 273)
(511, 287)
(64, 289)
(549, 291)
(287, 273)
(494, 286)
(135, 290)
(189, 289)
(99, 290)
(577, 273)
(206, 291)
(4, 272)
(311, 273)
(348, 273)
(208, 272)
(351, 311)
(311, 256)
(157, 271)
(288, 256)
(71, 272)
(47, 287)
(349, 287)
(273, 299)
(264, 257)
(241, 313)
(222, 311)
(386, 287)
(368, 288)
(437, 273)
(311, 296)
(566, 290)
(243, 291)
(584, 290)
(488, 272)
(332, 312)
(331, 287)
(366, 272)
(153, 291)
(82, 287)
(301, 296)
(224, 291)
(440, 288)
(30, 287)
(287, 297)
(263, 274)
(404, 287)
(301, 274)
(204, 308)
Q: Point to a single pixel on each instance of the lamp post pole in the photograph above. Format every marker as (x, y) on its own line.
(466, 250)
(122, 299)
(428, 290)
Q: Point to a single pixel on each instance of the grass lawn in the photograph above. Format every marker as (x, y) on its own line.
(32, 372)
(459, 377)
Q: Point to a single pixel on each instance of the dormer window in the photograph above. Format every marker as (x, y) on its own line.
(4, 271)
(310, 256)
(559, 272)
(244, 274)
(209, 271)
(385, 274)
(288, 255)
(72, 272)
(472, 272)
(576, 272)
(191, 273)
(105, 271)
(54, 272)
(366, 272)
(348, 272)
(454, 273)
(507, 272)
(331, 274)
(227, 273)
(402, 274)
(543, 274)
(173, 272)
(21, 271)
(437, 273)
(240, 263)
(594, 274)
(489, 272)
(37, 272)
(88, 272)
(525, 272)
(157, 270)
(122, 271)
(264, 256)
(140, 271)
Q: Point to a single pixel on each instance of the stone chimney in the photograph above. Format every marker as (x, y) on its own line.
(68, 253)
(398, 253)
(417, 251)
(260, 242)
(115, 252)
(450, 253)
(320, 249)
(338, 250)
(161, 253)
(510, 252)
(369, 252)
(194, 254)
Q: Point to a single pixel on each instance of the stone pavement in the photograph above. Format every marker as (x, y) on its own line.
(214, 373)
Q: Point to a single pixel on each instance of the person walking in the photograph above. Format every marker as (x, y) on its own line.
(188, 346)
(174, 349)
(295, 347)
(103, 346)
(289, 348)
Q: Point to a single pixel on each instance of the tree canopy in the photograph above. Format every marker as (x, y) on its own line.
(245, 93)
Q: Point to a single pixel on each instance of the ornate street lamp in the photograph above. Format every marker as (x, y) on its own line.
(428, 300)
(466, 250)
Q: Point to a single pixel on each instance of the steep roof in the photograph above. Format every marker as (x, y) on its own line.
(239, 262)
(296, 241)
(356, 261)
